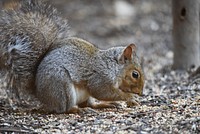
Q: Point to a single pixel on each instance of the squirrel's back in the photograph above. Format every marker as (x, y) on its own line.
(27, 33)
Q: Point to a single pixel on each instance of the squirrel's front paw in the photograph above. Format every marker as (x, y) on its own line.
(106, 105)
(86, 110)
(132, 103)
(114, 104)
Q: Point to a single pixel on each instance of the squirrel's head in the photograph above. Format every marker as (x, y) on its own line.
(131, 78)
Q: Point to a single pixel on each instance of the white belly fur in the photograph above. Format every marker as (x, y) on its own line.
(81, 95)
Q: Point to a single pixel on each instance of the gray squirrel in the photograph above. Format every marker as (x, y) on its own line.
(65, 73)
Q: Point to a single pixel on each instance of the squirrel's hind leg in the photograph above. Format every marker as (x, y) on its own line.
(55, 89)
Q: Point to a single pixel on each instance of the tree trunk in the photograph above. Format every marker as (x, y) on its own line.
(186, 33)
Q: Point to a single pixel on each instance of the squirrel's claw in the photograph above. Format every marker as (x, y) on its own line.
(132, 103)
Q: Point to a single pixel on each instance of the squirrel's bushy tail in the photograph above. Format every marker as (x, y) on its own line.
(27, 32)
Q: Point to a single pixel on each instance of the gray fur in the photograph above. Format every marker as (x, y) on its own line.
(69, 64)
(26, 35)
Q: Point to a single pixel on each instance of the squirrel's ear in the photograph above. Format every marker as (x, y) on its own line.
(127, 54)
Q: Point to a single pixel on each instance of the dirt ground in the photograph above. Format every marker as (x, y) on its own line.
(171, 101)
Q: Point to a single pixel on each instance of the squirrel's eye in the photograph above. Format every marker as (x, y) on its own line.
(135, 74)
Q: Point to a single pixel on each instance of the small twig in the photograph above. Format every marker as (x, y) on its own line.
(14, 129)
(147, 113)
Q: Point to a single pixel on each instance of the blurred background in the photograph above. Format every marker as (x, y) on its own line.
(119, 22)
